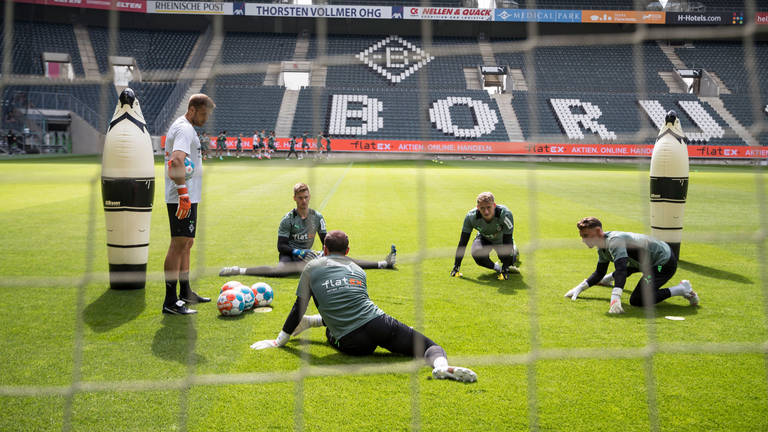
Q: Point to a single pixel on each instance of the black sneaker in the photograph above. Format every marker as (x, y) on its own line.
(178, 309)
(391, 264)
(194, 298)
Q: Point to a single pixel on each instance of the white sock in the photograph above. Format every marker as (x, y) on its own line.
(242, 271)
(382, 264)
(497, 267)
(440, 363)
(608, 278)
(677, 290)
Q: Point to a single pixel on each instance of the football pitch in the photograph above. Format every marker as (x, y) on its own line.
(76, 355)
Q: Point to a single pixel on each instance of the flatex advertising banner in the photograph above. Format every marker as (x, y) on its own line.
(706, 18)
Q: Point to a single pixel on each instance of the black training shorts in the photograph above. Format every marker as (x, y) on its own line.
(182, 227)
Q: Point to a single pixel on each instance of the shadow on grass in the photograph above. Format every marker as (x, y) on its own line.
(175, 339)
(714, 273)
(506, 287)
(661, 310)
(114, 308)
(339, 358)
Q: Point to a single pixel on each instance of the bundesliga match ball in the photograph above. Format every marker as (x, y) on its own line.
(263, 294)
(231, 303)
(230, 285)
(189, 168)
(248, 296)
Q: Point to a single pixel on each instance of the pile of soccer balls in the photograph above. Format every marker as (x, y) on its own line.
(236, 297)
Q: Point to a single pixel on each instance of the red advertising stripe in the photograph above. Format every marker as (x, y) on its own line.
(506, 148)
(761, 18)
(121, 5)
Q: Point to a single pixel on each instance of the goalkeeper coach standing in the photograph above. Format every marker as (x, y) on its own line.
(495, 225)
(182, 202)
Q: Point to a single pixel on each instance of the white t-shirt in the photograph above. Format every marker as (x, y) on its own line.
(182, 136)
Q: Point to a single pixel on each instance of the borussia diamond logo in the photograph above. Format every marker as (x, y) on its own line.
(394, 58)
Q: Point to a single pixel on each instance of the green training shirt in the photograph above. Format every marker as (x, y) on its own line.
(493, 231)
(301, 232)
(341, 291)
(639, 249)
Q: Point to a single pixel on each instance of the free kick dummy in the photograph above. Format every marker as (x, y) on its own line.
(128, 190)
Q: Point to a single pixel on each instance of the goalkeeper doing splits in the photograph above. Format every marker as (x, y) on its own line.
(295, 237)
(354, 324)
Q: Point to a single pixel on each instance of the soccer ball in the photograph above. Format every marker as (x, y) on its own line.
(263, 294)
(248, 296)
(189, 168)
(230, 285)
(231, 303)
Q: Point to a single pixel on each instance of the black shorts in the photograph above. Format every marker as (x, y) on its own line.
(182, 227)
(382, 331)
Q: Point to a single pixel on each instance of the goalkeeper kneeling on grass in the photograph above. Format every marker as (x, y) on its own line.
(631, 253)
(494, 224)
(354, 324)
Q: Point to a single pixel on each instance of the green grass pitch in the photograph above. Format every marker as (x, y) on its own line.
(542, 360)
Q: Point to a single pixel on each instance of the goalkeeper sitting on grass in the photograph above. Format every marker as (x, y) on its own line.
(631, 253)
(494, 225)
(354, 324)
(295, 237)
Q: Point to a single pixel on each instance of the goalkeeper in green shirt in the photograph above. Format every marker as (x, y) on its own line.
(494, 224)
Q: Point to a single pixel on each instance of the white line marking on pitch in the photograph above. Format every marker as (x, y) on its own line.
(336, 186)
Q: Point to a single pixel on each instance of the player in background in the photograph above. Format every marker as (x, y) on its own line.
(263, 144)
(203, 148)
(304, 145)
(239, 148)
(182, 203)
(328, 146)
(292, 143)
(495, 225)
(221, 144)
(271, 142)
(319, 144)
(354, 324)
(255, 145)
(295, 237)
(631, 253)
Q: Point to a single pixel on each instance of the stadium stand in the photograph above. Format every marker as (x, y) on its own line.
(741, 107)
(243, 108)
(384, 112)
(588, 68)
(32, 39)
(161, 52)
(83, 99)
(620, 113)
(256, 49)
(152, 97)
(243, 103)
(726, 60)
(443, 71)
